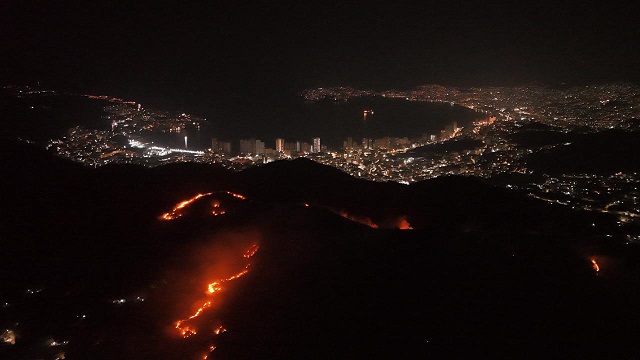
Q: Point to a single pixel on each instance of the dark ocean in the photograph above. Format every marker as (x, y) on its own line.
(43, 117)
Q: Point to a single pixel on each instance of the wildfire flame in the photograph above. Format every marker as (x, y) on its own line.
(176, 213)
(212, 288)
(360, 219)
(236, 195)
(251, 251)
(216, 285)
(403, 224)
(595, 266)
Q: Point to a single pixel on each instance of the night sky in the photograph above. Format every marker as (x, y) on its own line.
(226, 53)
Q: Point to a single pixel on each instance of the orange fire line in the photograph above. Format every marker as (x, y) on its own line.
(187, 331)
(174, 214)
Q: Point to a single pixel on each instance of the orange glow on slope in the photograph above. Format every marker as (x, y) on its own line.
(400, 222)
(595, 265)
(187, 331)
(175, 212)
(403, 224)
(216, 285)
(360, 219)
(212, 288)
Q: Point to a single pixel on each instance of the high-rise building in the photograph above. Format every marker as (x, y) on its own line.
(247, 146)
(316, 145)
(251, 147)
(259, 147)
(290, 147)
(348, 144)
(215, 146)
(280, 144)
(225, 147)
(305, 147)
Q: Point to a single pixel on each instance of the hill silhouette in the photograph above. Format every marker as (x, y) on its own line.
(453, 145)
(603, 152)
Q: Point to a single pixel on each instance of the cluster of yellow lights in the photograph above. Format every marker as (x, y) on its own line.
(214, 287)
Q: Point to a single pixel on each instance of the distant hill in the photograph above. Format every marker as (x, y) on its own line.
(538, 126)
(446, 147)
(601, 153)
(540, 138)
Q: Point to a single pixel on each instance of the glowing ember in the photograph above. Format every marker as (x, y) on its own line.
(251, 251)
(241, 197)
(219, 330)
(185, 330)
(595, 265)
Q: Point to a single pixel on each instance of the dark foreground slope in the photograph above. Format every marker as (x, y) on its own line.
(484, 273)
